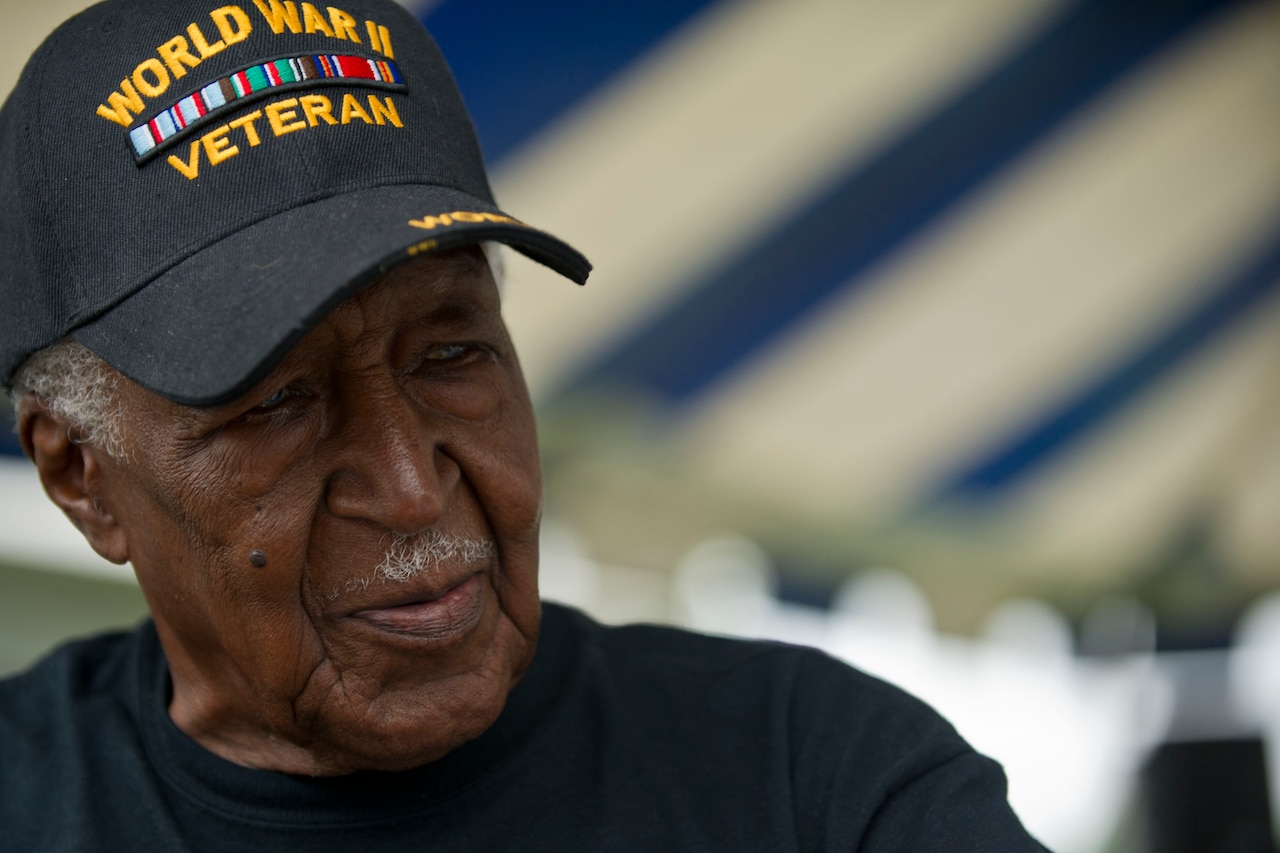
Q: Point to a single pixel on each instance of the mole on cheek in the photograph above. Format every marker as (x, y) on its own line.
(258, 558)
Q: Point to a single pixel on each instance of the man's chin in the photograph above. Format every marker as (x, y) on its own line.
(421, 714)
(387, 693)
(403, 740)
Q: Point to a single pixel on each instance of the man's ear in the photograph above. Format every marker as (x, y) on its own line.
(71, 474)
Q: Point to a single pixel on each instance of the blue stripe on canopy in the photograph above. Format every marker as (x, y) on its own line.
(521, 65)
(736, 311)
(1240, 292)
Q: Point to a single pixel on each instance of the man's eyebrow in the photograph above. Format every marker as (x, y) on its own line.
(449, 298)
(460, 310)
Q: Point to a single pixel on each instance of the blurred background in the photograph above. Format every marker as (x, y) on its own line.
(941, 334)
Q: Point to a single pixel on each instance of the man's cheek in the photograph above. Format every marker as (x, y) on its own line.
(258, 463)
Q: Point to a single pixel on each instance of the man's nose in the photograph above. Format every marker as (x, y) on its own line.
(391, 468)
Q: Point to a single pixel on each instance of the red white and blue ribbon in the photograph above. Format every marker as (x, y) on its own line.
(221, 93)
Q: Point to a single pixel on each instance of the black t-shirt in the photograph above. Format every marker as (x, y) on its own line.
(630, 738)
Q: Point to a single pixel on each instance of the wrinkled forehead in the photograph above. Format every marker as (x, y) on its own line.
(447, 290)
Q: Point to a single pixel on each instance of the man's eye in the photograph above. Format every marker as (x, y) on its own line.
(275, 399)
(286, 401)
(448, 352)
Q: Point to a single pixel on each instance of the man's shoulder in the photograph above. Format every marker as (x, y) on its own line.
(67, 685)
(685, 653)
(845, 758)
(818, 696)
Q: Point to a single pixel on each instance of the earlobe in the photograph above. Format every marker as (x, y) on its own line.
(72, 477)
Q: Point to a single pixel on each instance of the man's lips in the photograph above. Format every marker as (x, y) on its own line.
(452, 613)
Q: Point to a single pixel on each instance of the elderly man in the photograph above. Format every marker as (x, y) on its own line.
(254, 339)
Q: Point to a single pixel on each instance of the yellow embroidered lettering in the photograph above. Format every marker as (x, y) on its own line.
(145, 86)
(191, 167)
(314, 21)
(152, 76)
(430, 222)
(175, 54)
(224, 16)
(374, 41)
(202, 45)
(424, 246)
(124, 105)
(387, 112)
(217, 147)
(280, 15)
(317, 107)
(344, 26)
(445, 219)
(351, 107)
(246, 121)
(386, 42)
(283, 117)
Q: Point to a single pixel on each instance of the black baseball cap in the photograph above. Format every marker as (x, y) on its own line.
(189, 186)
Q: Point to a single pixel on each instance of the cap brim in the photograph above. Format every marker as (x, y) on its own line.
(208, 329)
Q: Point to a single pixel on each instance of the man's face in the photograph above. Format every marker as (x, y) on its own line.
(402, 424)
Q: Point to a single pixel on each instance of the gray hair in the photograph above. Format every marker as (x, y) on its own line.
(79, 386)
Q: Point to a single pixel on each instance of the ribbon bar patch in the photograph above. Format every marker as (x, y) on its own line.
(221, 93)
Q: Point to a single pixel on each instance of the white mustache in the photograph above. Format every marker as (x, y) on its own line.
(407, 557)
(410, 556)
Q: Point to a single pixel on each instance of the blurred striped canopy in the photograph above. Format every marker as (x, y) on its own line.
(985, 290)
